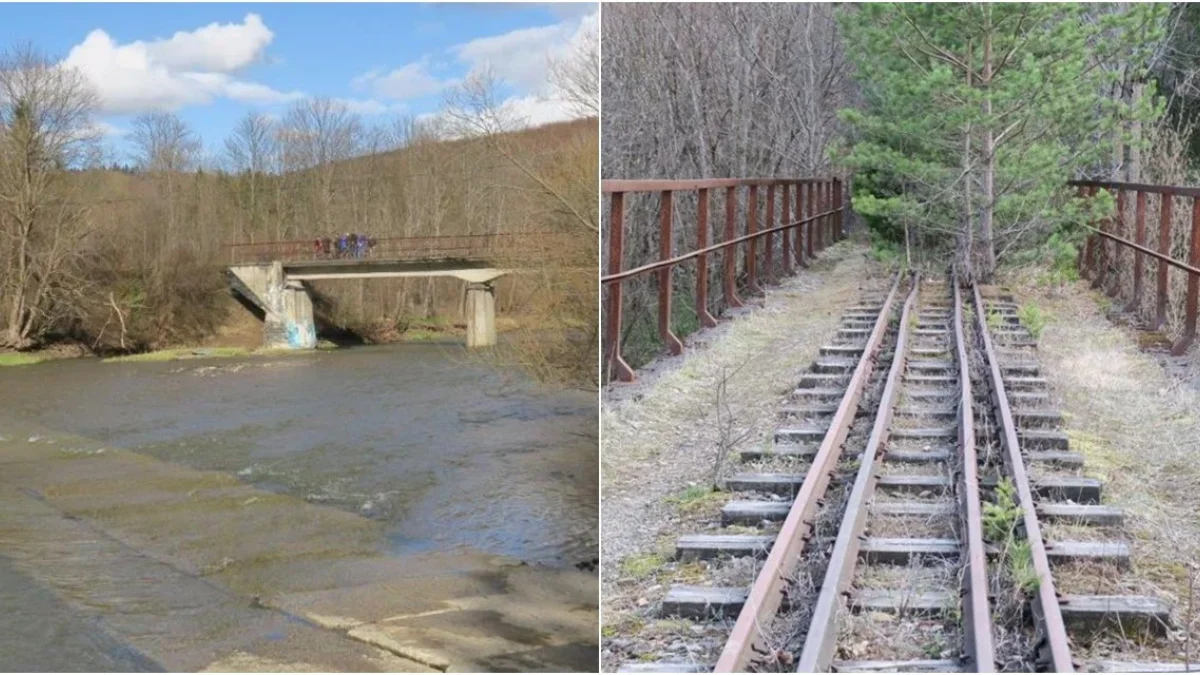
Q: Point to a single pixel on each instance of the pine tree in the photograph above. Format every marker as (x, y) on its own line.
(982, 112)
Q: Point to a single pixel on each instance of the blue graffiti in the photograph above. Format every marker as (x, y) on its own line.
(301, 336)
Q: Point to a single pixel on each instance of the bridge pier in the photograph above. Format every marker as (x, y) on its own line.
(481, 315)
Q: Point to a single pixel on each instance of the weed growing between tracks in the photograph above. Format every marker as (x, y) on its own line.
(1010, 578)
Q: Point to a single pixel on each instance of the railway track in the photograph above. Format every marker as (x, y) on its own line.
(919, 480)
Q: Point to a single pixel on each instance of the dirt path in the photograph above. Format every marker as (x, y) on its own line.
(660, 436)
(1139, 429)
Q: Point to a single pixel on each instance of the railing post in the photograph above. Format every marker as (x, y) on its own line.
(811, 226)
(823, 206)
(1119, 230)
(823, 187)
(769, 238)
(1164, 247)
(1101, 260)
(838, 219)
(702, 314)
(613, 318)
(730, 255)
(752, 249)
(1089, 255)
(785, 208)
(801, 238)
(666, 213)
(1140, 234)
(1193, 286)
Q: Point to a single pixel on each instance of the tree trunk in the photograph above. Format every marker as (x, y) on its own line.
(987, 245)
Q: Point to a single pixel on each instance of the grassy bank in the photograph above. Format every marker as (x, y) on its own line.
(19, 359)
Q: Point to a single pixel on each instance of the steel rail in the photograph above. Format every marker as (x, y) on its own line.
(1047, 613)
(766, 594)
(817, 654)
(671, 262)
(977, 615)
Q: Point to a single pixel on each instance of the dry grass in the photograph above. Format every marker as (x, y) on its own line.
(912, 527)
(1140, 433)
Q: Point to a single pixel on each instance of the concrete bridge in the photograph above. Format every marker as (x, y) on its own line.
(274, 276)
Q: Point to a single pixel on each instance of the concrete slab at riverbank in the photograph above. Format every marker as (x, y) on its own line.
(196, 571)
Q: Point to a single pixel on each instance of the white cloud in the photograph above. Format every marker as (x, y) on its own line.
(368, 106)
(413, 80)
(533, 111)
(189, 68)
(223, 48)
(522, 57)
(105, 129)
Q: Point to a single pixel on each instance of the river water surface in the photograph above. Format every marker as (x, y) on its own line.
(442, 453)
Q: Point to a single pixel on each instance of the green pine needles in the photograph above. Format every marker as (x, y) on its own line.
(976, 116)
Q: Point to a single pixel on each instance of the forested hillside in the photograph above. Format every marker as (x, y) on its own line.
(959, 125)
(130, 258)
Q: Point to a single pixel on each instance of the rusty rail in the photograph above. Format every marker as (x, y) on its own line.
(814, 215)
(1096, 260)
(977, 615)
(817, 655)
(1046, 610)
(766, 595)
(465, 247)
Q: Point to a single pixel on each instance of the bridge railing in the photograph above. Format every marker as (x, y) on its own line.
(784, 221)
(457, 247)
(1176, 237)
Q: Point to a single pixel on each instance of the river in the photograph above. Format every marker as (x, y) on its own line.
(411, 472)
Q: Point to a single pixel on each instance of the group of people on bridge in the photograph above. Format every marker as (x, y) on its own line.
(348, 245)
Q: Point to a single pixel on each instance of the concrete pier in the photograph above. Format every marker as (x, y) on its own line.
(481, 315)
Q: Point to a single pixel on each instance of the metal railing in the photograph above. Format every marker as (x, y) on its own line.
(1103, 266)
(809, 216)
(472, 247)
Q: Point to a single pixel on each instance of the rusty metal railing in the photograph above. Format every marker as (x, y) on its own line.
(809, 216)
(461, 247)
(1098, 263)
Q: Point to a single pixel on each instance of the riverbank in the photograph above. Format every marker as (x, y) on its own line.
(237, 341)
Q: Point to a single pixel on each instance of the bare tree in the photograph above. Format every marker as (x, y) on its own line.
(576, 76)
(166, 147)
(319, 135)
(45, 128)
(250, 150)
(164, 142)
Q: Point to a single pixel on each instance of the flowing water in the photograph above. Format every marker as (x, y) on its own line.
(428, 453)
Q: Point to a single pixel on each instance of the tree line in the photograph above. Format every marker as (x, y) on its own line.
(129, 258)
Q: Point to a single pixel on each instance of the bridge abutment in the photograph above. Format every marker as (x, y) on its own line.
(481, 315)
(286, 305)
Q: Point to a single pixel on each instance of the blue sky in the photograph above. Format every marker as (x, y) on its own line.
(213, 62)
